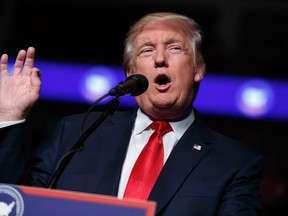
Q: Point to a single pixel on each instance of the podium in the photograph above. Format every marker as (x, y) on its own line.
(32, 201)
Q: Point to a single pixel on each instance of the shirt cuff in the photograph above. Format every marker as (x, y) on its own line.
(9, 123)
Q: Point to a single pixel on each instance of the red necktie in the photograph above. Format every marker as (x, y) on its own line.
(148, 165)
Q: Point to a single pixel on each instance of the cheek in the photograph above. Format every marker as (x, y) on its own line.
(143, 100)
(143, 62)
(185, 79)
(184, 86)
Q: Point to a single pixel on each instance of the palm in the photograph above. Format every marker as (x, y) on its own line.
(20, 91)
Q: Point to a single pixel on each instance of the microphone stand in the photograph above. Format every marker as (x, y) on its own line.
(79, 144)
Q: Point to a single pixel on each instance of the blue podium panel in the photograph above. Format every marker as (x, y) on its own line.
(32, 201)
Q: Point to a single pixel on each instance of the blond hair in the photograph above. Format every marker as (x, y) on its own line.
(187, 25)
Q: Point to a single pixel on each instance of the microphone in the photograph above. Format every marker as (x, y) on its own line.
(135, 85)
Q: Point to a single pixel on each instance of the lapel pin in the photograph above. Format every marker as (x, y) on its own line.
(197, 147)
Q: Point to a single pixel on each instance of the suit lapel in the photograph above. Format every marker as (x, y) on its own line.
(114, 139)
(188, 152)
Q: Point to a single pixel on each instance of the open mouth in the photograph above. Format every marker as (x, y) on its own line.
(162, 83)
(162, 80)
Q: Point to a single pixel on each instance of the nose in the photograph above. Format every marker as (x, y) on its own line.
(160, 58)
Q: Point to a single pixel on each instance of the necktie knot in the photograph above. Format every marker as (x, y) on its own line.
(161, 126)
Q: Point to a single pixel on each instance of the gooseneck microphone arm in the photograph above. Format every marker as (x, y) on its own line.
(78, 146)
(135, 85)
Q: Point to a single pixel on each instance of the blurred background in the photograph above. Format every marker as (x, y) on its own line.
(243, 40)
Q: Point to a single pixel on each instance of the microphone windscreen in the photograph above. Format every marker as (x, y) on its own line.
(142, 84)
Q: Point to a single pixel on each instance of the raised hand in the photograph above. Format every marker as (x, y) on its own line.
(20, 90)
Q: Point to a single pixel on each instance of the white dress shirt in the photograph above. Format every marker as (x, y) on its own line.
(8, 123)
(139, 138)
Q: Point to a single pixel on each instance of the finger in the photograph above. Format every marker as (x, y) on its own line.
(4, 65)
(19, 62)
(36, 72)
(36, 77)
(29, 62)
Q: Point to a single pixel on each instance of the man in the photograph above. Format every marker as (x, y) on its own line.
(204, 173)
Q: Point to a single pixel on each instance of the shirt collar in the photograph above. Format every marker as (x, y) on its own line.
(179, 127)
(142, 122)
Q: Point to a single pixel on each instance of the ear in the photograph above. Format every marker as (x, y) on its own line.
(200, 72)
(128, 73)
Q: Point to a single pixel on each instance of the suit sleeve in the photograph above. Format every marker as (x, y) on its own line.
(242, 196)
(13, 154)
(46, 157)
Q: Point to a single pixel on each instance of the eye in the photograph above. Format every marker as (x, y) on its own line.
(175, 49)
(148, 51)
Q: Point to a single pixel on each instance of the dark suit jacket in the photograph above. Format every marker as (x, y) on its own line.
(13, 153)
(222, 178)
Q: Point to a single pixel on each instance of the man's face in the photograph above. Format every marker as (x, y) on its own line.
(163, 55)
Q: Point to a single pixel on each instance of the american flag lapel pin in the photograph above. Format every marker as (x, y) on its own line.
(197, 147)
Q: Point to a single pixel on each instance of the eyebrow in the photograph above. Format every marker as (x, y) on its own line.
(166, 42)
